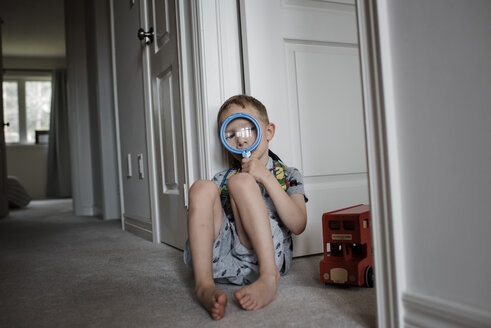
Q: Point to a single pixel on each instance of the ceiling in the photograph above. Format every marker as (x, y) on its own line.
(33, 28)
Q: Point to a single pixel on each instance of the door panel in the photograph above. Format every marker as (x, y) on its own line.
(324, 74)
(162, 21)
(167, 136)
(301, 61)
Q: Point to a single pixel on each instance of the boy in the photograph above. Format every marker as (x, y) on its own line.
(240, 224)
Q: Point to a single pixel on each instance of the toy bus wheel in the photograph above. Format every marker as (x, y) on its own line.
(369, 276)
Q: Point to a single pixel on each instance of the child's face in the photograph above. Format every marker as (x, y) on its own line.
(241, 132)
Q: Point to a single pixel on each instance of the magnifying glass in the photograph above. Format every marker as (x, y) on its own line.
(240, 134)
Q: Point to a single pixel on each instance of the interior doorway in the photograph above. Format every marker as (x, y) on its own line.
(33, 45)
(4, 206)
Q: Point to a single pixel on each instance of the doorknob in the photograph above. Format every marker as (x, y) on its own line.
(5, 124)
(146, 36)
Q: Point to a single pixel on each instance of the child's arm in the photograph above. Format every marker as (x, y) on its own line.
(291, 209)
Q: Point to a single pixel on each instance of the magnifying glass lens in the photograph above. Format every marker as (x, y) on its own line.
(240, 133)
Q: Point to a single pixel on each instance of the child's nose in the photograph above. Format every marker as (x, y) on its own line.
(242, 142)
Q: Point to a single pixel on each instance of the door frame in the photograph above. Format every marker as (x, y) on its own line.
(4, 204)
(149, 130)
(217, 74)
(116, 114)
(382, 162)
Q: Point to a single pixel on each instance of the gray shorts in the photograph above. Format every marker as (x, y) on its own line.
(234, 263)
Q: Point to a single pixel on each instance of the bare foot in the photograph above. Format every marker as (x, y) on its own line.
(258, 294)
(214, 301)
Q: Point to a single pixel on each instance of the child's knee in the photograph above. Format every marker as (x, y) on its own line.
(241, 181)
(202, 189)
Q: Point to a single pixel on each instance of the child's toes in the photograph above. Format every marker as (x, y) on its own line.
(246, 302)
(222, 299)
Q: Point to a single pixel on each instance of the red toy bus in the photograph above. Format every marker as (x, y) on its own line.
(348, 255)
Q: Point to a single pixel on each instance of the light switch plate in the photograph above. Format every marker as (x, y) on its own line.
(129, 174)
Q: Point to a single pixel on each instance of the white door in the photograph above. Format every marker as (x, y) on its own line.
(301, 60)
(167, 122)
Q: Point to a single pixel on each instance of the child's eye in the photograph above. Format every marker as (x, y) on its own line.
(245, 132)
(242, 133)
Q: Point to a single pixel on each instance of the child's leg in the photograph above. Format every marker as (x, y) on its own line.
(254, 230)
(204, 221)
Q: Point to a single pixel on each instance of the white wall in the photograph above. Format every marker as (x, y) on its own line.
(90, 102)
(438, 76)
(29, 164)
(101, 100)
(84, 202)
(33, 63)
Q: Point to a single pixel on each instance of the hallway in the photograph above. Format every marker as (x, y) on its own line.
(60, 270)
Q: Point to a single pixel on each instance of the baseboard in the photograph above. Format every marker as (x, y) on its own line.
(86, 210)
(427, 312)
(141, 227)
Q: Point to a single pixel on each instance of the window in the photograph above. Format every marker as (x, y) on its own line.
(336, 250)
(27, 105)
(349, 225)
(334, 225)
(360, 250)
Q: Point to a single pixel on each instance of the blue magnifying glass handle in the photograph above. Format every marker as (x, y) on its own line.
(247, 151)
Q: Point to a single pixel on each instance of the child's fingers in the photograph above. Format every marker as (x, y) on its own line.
(245, 164)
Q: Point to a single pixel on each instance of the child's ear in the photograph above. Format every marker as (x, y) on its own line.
(270, 129)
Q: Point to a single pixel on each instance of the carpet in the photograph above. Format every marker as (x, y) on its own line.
(61, 270)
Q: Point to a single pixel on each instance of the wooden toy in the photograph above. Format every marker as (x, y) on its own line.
(348, 257)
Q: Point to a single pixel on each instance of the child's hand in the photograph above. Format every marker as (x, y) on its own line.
(254, 167)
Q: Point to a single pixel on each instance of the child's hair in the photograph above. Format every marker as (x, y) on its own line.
(243, 101)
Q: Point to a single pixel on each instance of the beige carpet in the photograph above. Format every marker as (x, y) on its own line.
(59, 270)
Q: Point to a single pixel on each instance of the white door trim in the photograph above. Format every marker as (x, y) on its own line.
(382, 164)
(116, 114)
(218, 75)
(147, 89)
(189, 53)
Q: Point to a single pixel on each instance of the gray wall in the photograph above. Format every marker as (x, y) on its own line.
(438, 92)
(101, 100)
(92, 129)
(28, 163)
